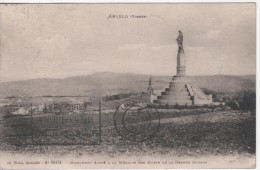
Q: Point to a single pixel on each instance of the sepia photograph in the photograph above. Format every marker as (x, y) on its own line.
(127, 85)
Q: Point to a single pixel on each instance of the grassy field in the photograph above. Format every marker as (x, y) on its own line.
(182, 132)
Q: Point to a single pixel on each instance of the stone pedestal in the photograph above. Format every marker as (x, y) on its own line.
(181, 63)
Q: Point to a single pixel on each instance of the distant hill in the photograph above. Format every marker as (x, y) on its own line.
(108, 83)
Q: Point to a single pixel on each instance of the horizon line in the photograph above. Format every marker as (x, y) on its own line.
(153, 75)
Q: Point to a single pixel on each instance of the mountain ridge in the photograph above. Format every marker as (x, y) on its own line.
(107, 83)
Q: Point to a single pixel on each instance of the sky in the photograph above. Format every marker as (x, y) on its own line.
(62, 40)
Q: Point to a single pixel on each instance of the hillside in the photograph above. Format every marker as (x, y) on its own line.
(113, 83)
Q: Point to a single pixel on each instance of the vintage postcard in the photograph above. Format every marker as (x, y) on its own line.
(159, 85)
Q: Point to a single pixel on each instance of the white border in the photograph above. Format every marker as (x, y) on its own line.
(178, 1)
(126, 1)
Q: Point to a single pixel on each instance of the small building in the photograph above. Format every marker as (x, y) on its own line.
(151, 91)
(150, 87)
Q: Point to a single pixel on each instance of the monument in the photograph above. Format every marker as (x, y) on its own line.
(181, 91)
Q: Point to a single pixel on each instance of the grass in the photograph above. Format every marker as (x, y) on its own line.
(228, 136)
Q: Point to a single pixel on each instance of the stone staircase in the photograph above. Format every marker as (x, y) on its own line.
(176, 93)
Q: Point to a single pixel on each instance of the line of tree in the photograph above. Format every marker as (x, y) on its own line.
(116, 96)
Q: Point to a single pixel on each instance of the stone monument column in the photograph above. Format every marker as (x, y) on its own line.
(181, 59)
(181, 91)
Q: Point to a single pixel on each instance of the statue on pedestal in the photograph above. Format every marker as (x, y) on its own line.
(181, 91)
(181, 59)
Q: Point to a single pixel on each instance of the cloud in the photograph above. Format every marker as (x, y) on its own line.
(133, 47)
(54, 40)
(213, 34)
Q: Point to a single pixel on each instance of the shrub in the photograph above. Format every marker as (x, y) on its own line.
(248, 101)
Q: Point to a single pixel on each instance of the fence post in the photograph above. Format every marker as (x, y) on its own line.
(100, 131)
(31, 121)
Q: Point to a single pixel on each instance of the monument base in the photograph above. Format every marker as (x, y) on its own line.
(182, 92)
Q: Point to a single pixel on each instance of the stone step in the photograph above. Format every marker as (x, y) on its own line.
(176, 85)
(186, 93)
(173, 102)
(176, 89)
(175, 97)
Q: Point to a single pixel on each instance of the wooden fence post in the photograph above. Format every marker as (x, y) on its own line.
(100, 130)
